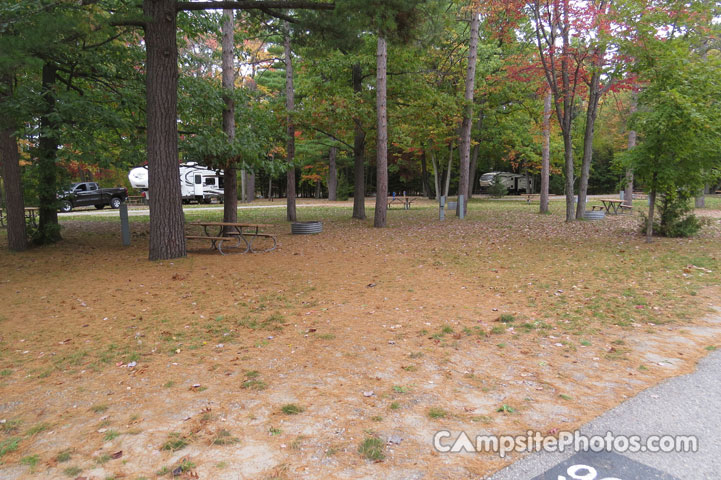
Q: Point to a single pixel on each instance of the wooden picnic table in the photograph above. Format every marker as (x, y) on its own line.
(611, 204)
(405, 201)
(240, 233)
(31, 216)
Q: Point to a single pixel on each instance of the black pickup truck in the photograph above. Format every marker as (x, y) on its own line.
(88, 193)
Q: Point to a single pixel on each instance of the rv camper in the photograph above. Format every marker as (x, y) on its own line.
(513, 182)
(197, 183)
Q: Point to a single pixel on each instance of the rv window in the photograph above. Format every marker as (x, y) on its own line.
(198, 180)
(209, 181)
(221, 182)
(486, 177)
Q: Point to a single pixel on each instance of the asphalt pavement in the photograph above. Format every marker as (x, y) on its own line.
(688, 405)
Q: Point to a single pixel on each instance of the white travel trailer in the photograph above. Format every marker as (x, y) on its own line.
(197, 183)
(514, 182)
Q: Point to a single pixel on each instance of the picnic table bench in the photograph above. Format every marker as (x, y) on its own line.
(612, 204)
(31, 216)
(240, 233)
(405, 201)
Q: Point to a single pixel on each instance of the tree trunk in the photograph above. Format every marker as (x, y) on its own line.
(332, 175)
(568, 167)
(243, 185)
(270, 188)
(48, 228)
(14, 203)
(628, 192)
(359, 142)
(651, 207)
(436, 177)
(424, 176)
(230, 186)
(382, 145)
(465, 140)
(448, 172)
(546, 153)
(12, 178)
(700, 200)
(167, 236)
(290, 147)
(250, 186)
(594, 94)
(473, 170)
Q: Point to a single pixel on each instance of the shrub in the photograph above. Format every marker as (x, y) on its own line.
(497, 188)
(675, 217)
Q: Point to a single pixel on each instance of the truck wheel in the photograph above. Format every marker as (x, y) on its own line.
(65, 206)
(100, 206)
(115, 202)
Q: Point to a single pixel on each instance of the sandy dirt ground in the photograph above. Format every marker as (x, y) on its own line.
(116, 367)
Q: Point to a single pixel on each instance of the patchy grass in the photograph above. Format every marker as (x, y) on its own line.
(8, 445)
(64, 456)
(37, 428)
(224, 437)
(436, 412)
(175, 442)
(11, 426)
(99, 408)
(72, 471)
(30, 460)
(292, 409)
(501, 299)
(372, 448)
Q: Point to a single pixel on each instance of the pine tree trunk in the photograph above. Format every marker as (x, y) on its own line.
(382, 145)
(546, 153)
(332, 175)
(359, 141)
(465, 140)
(230, 186)
(167, 236)
(473, 170)
(290, 147)
(448, 172)
(48, 228)
(436, 177)
(14, 203)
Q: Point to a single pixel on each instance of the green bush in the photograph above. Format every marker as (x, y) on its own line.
(675, 216)
(497, 188)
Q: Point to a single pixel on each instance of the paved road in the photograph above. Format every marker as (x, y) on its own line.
(686, 405)
(135, 212)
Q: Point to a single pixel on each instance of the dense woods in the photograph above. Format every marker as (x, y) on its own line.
(353, 98)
